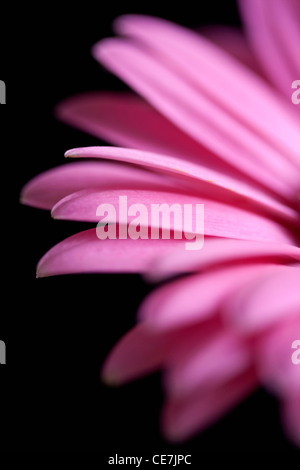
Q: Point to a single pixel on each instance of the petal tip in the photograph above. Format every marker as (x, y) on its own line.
(55, 214)
(111, 379)
(40, 272)
(120, 23)
(172, 434)
(102, 48)
(23, 199)
(70, 153)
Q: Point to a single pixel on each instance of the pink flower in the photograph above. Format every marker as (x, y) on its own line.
(218, 126)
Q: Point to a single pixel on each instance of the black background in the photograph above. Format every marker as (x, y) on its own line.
(59, 330)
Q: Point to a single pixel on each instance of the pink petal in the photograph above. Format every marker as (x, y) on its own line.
(197, 297)
(143, 350)
(216, 252)
(183, 417)
(47, 188)
(290, 411)
(183, 95)
(211, 361)
(117, 117)
(86, 253)
(234, 87)
(233, 41)
(139, 352)
(207, 181)
(277, 28)
(219, 219)
(201, 118)
(128, 121)
(274, 357)
(266, 300)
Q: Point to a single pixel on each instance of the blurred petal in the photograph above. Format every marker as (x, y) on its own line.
(199, 116)
(291, 417)
(142, 350)
(274, 357)
(276, 27)
(139, 352)
(183, 417)
(197, 297)
(224, 80)
(265, 300)
(242, 94)
(213, 361)
(126, 120)
(222, 251)
(233, 41)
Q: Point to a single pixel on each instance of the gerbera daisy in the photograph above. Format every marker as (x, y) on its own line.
(219, 127)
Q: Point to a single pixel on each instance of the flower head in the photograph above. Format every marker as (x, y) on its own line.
(213, 125)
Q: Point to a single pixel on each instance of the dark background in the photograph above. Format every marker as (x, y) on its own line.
(59, 330)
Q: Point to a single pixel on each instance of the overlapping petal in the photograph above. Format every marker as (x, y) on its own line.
(182, 417)
(273, 30)
(208, 180)
(47, 188)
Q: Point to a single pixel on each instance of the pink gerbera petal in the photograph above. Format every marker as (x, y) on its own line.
(46, 189)
(233, 41)
(213, 360)
(85, 253)
(219, 219)
(199, 116)
(183, 417)
(220, 251)
(126, 120)
(275, 26)
(143, 350)
(274, 356)
(291, 417)
(210, 179)
(199, 296)
(223, 78)
(139, 352)
(255, 307)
